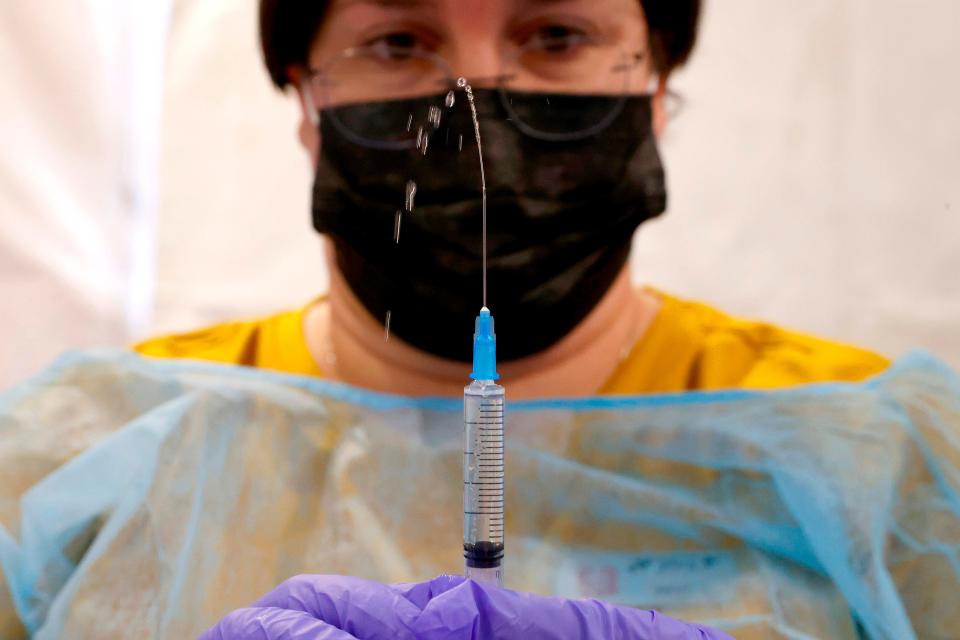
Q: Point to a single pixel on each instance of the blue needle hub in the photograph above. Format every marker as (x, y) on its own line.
(484, 348)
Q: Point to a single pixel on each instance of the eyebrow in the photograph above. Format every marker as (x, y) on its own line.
(383, 3)
(549, 2)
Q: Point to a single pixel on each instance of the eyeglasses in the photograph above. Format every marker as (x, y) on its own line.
(546, 70)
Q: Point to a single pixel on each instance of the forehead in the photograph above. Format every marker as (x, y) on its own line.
(464, 4)
(482, 10)
(474, 20)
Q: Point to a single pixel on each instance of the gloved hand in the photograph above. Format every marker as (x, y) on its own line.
(448, 607)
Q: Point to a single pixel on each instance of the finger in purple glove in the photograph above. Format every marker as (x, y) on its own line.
(271, 623)
(445, 608)
(475, 611)
(421, 593)
(363, 608)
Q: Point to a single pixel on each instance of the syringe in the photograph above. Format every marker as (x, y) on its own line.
(483, 460)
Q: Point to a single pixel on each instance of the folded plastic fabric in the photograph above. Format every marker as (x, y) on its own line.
(150, 498)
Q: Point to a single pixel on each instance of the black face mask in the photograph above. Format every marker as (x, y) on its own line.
(560, 218)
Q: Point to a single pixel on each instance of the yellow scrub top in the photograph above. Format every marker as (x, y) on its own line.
(689, 346)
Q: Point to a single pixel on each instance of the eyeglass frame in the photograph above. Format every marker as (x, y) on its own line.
(449, 83)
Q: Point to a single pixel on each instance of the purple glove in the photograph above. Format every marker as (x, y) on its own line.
(448, 607)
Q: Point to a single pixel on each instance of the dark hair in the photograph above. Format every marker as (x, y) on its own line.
(288, 27)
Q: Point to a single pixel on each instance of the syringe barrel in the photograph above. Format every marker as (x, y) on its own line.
(483, 475)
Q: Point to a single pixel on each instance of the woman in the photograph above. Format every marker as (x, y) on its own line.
(569, 182)
(571, 98)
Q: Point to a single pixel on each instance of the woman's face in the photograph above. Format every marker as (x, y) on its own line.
(562, 46)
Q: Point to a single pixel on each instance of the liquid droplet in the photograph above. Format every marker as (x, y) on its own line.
(426, 141)
(451, 100)
(396, 226)
(462, 83)
(409, 122)
(460, 146)
(434, 117)
(411, 194)
(420, 137)
(386, 328)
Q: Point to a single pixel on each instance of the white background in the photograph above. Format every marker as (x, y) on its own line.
(80, 98)
(150, 178)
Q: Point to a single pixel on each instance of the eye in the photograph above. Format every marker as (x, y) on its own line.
(395, 46)
(558, 38)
